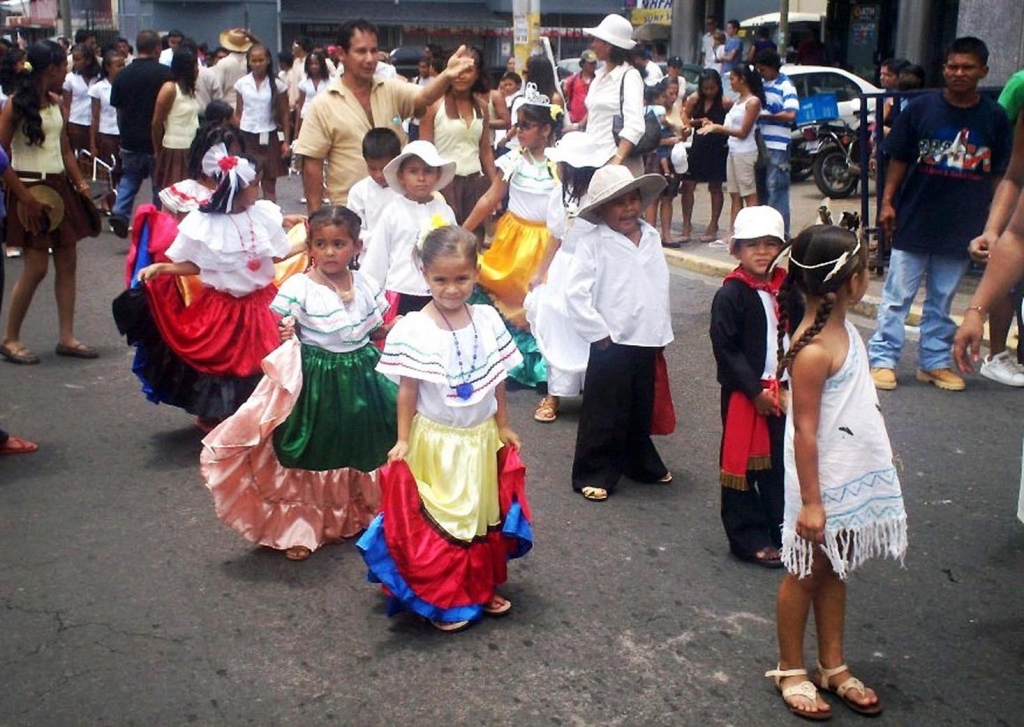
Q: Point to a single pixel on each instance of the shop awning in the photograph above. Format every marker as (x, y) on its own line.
(411, 14)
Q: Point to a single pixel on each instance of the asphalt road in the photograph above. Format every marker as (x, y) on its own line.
(126, 602)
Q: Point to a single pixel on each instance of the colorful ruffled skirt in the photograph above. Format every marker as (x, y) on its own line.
(508, 265)
(452, 515)
(295, 465)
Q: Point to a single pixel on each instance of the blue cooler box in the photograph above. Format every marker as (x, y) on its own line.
(819, 107)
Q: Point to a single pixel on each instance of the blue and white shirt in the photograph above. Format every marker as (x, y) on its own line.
(780, 96)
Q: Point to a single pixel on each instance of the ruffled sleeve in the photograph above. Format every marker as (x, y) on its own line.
(556, 214)
(414, 350)
(507, 163)
(291, 297)
(503, 350)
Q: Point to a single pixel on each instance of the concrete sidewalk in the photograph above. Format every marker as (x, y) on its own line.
(805, 199)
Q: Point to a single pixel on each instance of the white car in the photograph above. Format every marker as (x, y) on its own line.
(847, 87)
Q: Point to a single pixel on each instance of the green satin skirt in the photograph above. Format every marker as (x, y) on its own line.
(533, 370)
(345, 416)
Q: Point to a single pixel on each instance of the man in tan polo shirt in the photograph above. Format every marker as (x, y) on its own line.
(339, 118)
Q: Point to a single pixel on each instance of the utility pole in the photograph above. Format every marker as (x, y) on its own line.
(783, 28)
(64, 10)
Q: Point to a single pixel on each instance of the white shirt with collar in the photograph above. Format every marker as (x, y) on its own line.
(620, 290)
(603, 104)
(654, 74)
(257, 116)
(368, 200)
(388, 258)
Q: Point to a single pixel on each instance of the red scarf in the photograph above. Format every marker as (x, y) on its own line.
(746, 444)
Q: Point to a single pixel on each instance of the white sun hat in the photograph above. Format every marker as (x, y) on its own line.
(759, 221)
(428, 153)
(614, 29)
(577, 149)
(611, 182)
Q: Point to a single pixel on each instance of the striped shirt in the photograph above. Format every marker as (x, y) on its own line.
(780, 95)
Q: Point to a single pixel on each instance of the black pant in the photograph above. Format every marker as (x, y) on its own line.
(614, 434)
(753, 517)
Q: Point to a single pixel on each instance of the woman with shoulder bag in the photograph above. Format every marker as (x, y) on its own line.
(616, 91)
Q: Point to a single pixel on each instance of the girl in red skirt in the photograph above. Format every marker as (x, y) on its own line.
(453, 496)
(206, 358)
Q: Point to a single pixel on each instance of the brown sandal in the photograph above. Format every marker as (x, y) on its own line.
(297, 552)
(547, 410)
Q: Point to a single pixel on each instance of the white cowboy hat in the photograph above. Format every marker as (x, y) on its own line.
(614, 29)
(613, 181)
(428, 153)
(237, 40)
(577, 149)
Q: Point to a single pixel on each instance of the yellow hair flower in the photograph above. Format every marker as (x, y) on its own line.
(436, 220)
(26, 67)
(556, 111)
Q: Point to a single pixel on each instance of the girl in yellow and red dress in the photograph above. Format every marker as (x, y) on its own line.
(205, 358)
(453, 497)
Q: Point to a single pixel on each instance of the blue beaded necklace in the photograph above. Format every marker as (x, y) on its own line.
(465, 389)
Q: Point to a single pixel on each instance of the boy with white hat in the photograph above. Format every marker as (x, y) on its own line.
(617, 296)
(745, 341)
(417, 173)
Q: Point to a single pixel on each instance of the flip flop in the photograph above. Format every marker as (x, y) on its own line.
(594, 494)
(767, 557)
(666, 479)
(450, 627)
(17, 445)
(497, 606)
(20, 355)
(297, 552)
(79, 351)
(674, 245)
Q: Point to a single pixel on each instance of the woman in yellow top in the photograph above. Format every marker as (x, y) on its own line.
(32, 126)
(458, 125)
(175, 120)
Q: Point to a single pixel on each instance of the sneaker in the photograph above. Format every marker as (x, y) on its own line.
(945, 379)
(1004, 369)
(119, 226)
(885, 379)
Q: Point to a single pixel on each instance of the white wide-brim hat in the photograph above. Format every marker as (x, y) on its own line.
(428, 153)
(614, 29)
(611, 182)
(759, 221)
(237, 40)
(577, 149)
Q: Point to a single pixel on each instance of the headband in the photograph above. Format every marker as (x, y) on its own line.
(240, 172)
(838, 264)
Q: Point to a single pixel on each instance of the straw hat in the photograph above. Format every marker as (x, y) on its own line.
(428, 153)
(53, 216)
(611, 182)
(237, 40)
(614, 29)
(577, 149)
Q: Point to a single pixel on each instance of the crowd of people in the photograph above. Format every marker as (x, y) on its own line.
(349, 367)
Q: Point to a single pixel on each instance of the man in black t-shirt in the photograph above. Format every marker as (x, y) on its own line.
(133, 93)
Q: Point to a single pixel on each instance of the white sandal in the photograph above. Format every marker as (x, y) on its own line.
(805, 689)
(869, 710)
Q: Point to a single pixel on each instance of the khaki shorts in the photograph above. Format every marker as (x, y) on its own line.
(739, 173)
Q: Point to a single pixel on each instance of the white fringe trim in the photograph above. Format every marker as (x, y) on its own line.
(847, 549)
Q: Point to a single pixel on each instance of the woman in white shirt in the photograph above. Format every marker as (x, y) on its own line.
(617, 90)
(315, 81)
(262, 110)
(85, 71)
(104, 134)
(740, 126)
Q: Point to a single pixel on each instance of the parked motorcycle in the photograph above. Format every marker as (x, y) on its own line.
(803, 147)
(837, 164)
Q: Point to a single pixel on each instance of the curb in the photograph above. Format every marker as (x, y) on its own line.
(867, 306)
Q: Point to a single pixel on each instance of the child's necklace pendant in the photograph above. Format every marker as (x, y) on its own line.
(254, 264)
(464, 390)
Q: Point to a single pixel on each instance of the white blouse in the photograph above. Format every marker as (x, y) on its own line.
(388, 257)
(257, 116)
(311, 90)
(603, 103)
(529, 184)
(184, 196)
(324, 320)
(224, 245)
(620, 290)
(108, 114)
(81, 105)
(418, 348)
(734, 120)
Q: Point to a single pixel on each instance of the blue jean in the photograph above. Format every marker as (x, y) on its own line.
(136, 167)
(937, 327)
(777, 183)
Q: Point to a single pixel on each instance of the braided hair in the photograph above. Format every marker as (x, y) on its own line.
(812, 254)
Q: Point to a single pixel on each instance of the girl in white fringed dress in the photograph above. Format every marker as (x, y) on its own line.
(843, 499)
